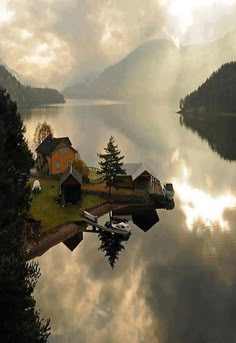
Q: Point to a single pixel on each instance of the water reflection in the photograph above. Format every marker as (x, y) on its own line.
(72, 242)
(111, 243)
(170, 284)
(219, 131)
(201, 208)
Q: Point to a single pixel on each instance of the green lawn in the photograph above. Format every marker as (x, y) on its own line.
(93, 175)
(46, 209)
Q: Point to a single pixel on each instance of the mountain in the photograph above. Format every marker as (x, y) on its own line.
(159, 69)
(26, 95)
(80, 90)
(216, 94)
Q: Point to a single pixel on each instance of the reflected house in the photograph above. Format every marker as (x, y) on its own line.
(143, 217)
(145, 220)
(55, 155)
(74, 241)
(70, 184)
(139, 177)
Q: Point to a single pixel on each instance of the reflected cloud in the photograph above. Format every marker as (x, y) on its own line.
(202, 208)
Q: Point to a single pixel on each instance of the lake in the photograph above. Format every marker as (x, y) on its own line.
(175, 283)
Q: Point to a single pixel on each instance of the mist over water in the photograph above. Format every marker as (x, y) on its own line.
(175, 283)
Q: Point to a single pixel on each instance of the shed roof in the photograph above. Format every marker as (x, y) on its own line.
(71, 172)
(136, 169)
(50, 143)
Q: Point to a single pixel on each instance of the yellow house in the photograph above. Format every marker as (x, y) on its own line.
(55, 155)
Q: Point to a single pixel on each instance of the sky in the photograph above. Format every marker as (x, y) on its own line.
(58, 43)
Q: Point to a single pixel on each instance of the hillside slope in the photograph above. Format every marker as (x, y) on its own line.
(160, 70)
(26, 95)
(216, 94)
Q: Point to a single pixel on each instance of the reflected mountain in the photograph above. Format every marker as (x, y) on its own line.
(218, 131)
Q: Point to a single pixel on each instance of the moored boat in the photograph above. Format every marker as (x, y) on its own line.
(168, 191)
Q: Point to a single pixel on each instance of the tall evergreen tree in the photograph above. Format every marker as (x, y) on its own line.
(19, 319)
(111, 163)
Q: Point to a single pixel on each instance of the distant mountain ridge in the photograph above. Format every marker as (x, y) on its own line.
(159, 69)
(216, 94)
(26, 95)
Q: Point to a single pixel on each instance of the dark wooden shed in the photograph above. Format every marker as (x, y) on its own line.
(71, 182)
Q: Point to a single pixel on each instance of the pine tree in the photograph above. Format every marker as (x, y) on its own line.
(19, 320)
(111, 163)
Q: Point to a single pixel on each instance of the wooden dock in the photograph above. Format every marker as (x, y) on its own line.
(96, 227)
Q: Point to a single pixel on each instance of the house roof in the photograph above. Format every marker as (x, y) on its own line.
(136, 169)
(73, 173)
(49, 144)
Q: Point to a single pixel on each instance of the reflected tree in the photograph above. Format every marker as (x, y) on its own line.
(111, 245)
(219, 132)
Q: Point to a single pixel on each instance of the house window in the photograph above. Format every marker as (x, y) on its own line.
(69, 163)
(58, 165)
(63, 151)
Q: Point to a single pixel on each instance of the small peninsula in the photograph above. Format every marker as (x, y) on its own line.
(26, 95)
(217, 95)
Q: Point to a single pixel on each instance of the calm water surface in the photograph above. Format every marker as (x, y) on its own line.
(177, 282)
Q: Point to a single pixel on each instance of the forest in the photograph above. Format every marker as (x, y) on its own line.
(216, 95)
(26, 95)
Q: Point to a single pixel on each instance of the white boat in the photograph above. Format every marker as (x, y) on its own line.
(168, 191)
(90, 216)
(124, 226)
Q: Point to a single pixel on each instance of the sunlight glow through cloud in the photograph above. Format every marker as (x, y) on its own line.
(5, 13)
(201, 207)
(183, 10)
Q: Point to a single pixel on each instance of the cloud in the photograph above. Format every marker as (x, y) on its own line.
(60, 41)
(56, 42)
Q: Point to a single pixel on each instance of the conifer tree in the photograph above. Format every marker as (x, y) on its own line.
(111, 163)
(19, 319)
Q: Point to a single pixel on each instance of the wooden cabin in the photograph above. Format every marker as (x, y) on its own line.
(139, 177)
(55, 155)
(70, 185)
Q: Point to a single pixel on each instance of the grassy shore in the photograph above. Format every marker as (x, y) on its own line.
(51, 214)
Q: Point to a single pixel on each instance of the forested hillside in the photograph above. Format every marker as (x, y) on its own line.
(26, 95)
(217, 94)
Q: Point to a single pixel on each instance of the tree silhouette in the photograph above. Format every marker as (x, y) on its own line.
(26, 95)
(216, 94)
(111, 245)
(20, 321)
(111, 163)
(41, 132)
